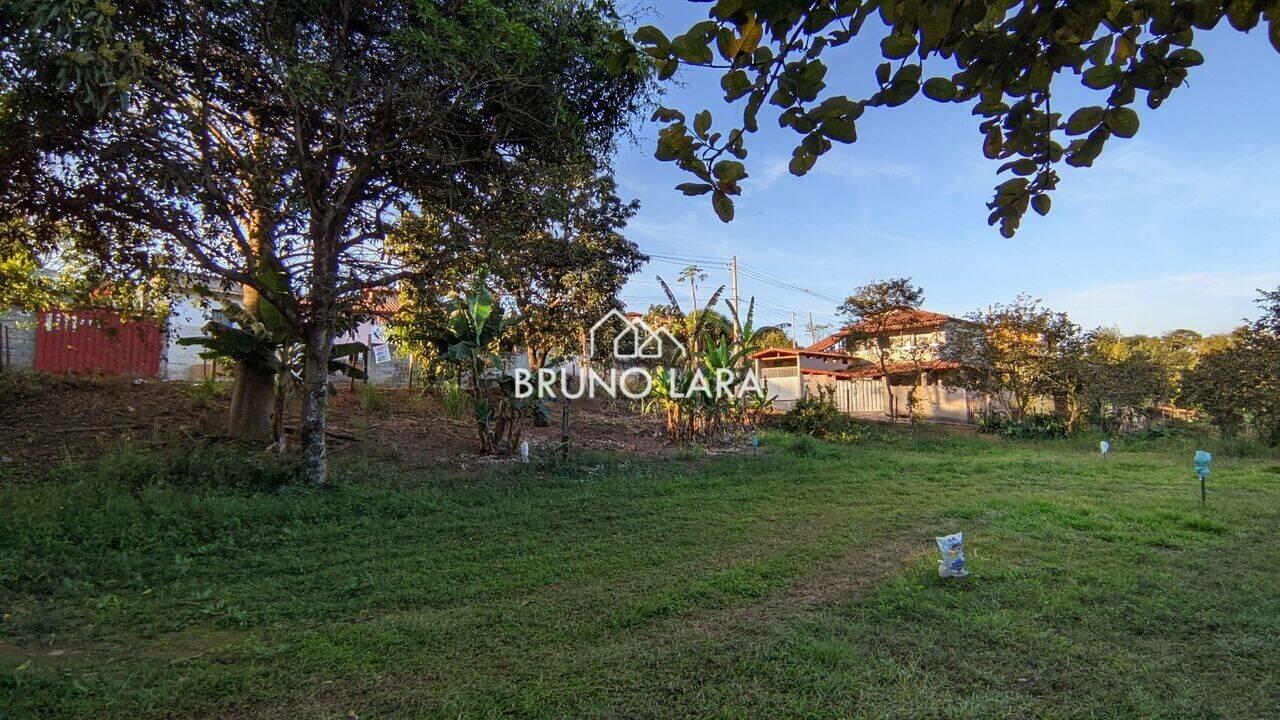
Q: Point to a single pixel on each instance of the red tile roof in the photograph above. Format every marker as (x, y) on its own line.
(867, 373)
(901, 368)
(826, 343)
(893, 321)
(901, 320)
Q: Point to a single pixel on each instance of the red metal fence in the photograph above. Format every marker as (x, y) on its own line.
(97, 341)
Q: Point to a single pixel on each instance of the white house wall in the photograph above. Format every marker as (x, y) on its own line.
(187, 317)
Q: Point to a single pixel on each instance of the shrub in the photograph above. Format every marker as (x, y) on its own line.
(1033, 427)
(813, 416)
(818, 417)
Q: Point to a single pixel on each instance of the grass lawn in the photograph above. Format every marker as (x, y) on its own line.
(798, 583)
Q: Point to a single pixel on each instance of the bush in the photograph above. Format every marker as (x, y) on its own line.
(1033, 427)
(819, 417)
(812, 416)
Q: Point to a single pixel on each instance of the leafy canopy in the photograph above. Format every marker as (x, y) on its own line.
(997, 57)
(1016, 352)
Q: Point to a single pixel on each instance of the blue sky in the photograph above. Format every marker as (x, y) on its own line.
(1176, 227)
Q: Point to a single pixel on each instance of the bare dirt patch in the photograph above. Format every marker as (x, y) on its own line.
(79, 417)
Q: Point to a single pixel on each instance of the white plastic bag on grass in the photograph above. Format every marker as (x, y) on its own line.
(952, 549)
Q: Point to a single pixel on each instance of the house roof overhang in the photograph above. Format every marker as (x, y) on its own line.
(770, 353)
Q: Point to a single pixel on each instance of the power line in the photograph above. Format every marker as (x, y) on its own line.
(748, 270)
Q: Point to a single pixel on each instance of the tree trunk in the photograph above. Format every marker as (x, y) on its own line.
(537, 358)
(319, 345)
(893, 401)
(253, 394)
(315, 398)
(252, 398)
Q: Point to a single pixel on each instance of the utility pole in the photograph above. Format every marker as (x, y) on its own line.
(737, 311)
(794, 340)
(813, 334)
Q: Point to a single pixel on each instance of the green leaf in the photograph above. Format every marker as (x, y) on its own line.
(840, 129)
(896, 47)
(729, 171)
(1084, 152)
(692, 189)
(727, 43)
(650, 35)
(882, 73)
(908, 74)
(1242, 14)
(735, 84)
(899, 93)
(723, 206)
(801, 162)
(1040, 203)
(690, 48)
(666, 115)
(1187, 57)
(1122, 121)
(1023, 166)
(1101, 77)
(940, 89)
(1084, 120)
(702, 123)
(1100, 49)
(992, 143)
(836, 106)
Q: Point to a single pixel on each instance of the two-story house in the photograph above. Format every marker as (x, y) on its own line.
(897, 354)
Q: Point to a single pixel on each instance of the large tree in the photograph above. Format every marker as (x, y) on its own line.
(1016, 353)
(548, 238)
(312, 123)
(871, 311)
(997, 57)
(1117, 376)
(1238, 385)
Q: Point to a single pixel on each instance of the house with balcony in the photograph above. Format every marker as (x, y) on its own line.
(864, 364)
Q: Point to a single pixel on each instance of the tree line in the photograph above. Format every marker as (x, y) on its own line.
(1022, 351)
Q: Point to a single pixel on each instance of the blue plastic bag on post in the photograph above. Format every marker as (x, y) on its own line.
(1202, 461)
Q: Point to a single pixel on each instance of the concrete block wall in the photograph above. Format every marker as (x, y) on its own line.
(183, 362)
(18, 351)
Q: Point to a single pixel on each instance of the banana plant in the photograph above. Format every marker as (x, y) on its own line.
(469, 338)
(669, 394)
(266, 342)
